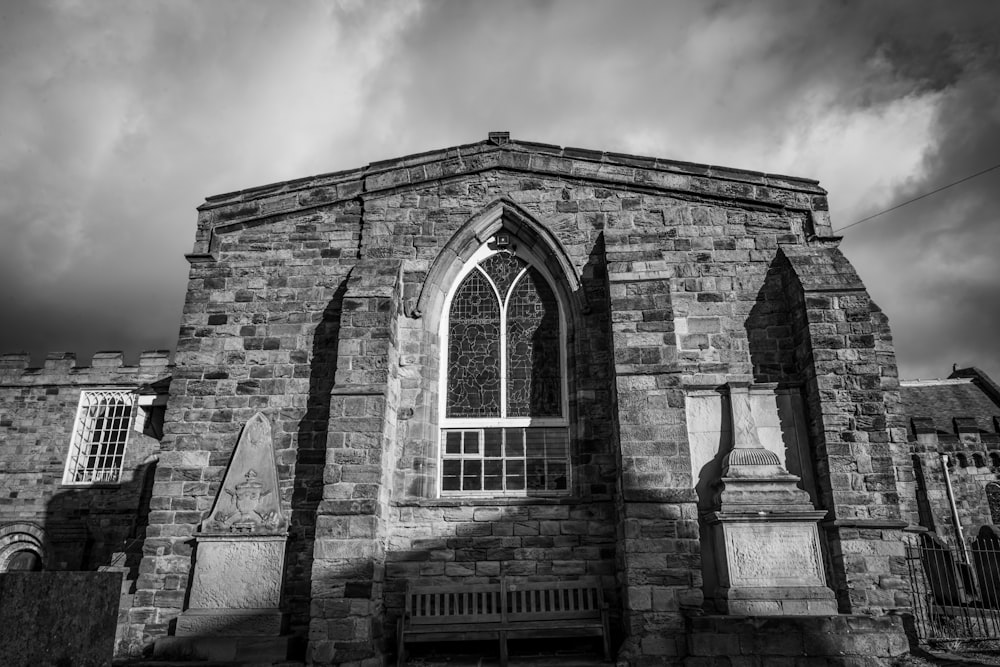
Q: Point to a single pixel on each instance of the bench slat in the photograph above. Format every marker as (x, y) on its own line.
(499, 611)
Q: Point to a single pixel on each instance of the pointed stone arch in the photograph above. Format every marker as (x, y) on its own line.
(502, 214)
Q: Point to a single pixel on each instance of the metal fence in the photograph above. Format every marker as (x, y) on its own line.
(956, 593)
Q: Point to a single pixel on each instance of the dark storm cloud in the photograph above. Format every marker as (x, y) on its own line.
(933, 264)
(119, 118)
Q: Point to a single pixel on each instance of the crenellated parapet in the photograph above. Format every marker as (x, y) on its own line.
(63, 368)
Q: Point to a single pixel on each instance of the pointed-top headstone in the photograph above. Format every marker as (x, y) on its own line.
(248, 502)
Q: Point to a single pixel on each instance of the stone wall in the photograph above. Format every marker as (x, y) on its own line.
(58, 618)
(319, 302)
(820, 641)
(973, 462)
(259, 333)
(82, 526)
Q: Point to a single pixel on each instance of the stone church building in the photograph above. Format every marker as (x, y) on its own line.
(505, 361)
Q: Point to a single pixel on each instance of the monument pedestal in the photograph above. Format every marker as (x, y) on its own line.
(768, 560)
(770, 564)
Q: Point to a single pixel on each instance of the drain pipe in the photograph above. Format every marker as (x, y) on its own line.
(954, 510)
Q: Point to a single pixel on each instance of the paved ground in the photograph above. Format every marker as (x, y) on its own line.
(969, 657)
(943, 658)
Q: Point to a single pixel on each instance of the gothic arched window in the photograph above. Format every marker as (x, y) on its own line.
(504, 429)
(993, 500)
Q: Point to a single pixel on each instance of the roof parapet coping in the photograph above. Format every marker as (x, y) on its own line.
(981, 379)
(501, 141)
(15, 361)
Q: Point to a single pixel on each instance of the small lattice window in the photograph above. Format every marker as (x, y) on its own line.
(97, 450)
(505, 430)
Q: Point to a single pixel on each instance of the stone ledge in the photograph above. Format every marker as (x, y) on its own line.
(501, 502)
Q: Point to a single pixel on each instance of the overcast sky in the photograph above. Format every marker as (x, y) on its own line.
(118, 118)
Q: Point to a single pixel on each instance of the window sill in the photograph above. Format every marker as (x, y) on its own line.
(83, 486)
(478, 501)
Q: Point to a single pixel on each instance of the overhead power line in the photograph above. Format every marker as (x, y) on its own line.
(926, 194)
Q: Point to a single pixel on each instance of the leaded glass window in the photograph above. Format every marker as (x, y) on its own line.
(504, 430)
(534, 380)
(97, 450)
(474, 350)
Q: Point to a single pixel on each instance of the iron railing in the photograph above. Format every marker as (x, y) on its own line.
(956, 595)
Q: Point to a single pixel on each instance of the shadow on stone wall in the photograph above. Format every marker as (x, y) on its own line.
(924, 511)
(469, 544)
(770, 332)
(307, 490)
(95, 526)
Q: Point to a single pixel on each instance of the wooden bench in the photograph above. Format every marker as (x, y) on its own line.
(503, 611)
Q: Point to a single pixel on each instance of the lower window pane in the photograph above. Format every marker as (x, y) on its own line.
(493, 475)
(453, 442)
(451, 475)
(471, 442)
(534, 442)
(515, 475)
(536, 474)
(493, 443)
(515, 441)
(556, 480)
(472, 475)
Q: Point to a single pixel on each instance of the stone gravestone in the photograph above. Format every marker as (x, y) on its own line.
(986, 561)
(234, 611)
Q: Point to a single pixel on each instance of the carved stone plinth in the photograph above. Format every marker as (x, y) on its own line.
(238, 572)
(236, 588)
(770, 565)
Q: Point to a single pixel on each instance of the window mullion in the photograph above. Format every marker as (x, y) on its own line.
(503, 357)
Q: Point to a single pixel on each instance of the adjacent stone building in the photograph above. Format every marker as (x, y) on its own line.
(506, 359)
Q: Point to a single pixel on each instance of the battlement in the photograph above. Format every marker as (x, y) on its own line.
(107, 367)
